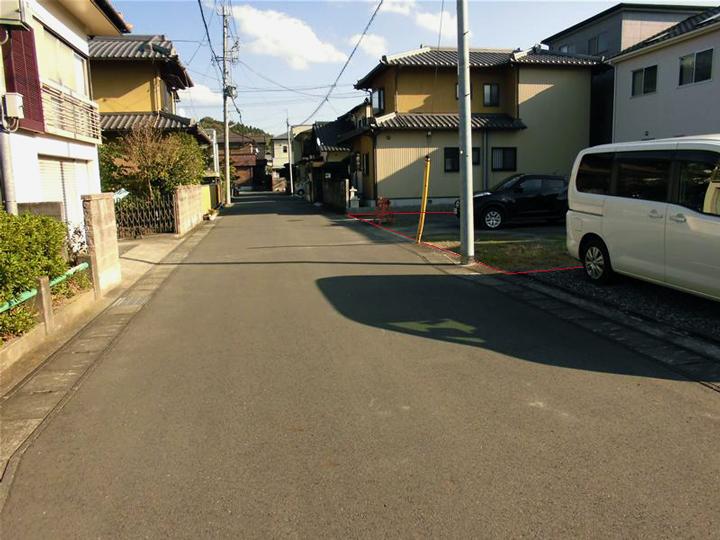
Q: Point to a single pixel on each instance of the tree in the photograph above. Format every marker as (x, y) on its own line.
(146, 162)
(242, 129)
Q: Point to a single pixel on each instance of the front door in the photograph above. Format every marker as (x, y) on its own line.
(634, 222)
(692, 238)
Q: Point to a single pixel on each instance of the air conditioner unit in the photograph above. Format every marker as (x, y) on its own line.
(15, 13)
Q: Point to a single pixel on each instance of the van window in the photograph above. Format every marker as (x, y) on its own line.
(593, 175)
(643, 175)
(699, 188)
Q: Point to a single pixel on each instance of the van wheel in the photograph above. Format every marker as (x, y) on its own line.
(596, 261)
(492, 218)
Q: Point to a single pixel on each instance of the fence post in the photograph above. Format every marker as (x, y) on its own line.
(101, 232)
(44, 304)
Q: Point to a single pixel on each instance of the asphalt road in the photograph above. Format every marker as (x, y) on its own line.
(296, 376)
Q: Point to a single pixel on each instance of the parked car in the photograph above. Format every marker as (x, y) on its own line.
(520, 197)
(650, 210)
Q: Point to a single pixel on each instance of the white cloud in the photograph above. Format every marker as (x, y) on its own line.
(371, 44)
(277, 34)
(403, 7)
(431, 21)
(200, 96)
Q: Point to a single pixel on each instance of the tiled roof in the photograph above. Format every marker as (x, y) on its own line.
(447, 121)
(696, 22)
(447, 57)
(142, 47)
(545, 57)
(327, 134)
(115, 17)
(479, 58)
(120, 122)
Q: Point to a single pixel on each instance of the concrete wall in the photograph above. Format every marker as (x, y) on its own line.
(52, 209)
(101, 234)
(672, 110)
(638, 26)
(209, 196)
(189, 208)
(126, 86)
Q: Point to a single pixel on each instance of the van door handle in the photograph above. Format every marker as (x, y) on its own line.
(655, 214)
(678, 218)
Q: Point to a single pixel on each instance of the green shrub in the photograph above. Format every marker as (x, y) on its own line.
(16, 322)
(78, 282)
(30, 246)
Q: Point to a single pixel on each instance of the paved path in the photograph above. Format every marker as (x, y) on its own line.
(294, 376)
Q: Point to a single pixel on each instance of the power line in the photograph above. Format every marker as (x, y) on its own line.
(347, 62)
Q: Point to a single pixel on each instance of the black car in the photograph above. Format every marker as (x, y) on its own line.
(520, 197)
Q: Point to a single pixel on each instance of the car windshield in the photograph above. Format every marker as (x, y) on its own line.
(505, 184)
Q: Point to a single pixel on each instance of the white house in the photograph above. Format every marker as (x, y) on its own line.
(669, 84)
(51, 154)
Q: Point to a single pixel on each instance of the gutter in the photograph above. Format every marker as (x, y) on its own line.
(113, 16)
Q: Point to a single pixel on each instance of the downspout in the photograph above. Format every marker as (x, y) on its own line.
(486, 169)
(8, 181)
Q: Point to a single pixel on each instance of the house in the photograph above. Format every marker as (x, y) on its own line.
(530, 113)
(135, 80)
(324, 157)
(280, 151)
(606, 34)
(247, 160)
(669, 84)
(51, 154)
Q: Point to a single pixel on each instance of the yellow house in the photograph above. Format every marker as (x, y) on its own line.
(135, 80)
(531, 114)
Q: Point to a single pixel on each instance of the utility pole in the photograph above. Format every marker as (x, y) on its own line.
(467, 225)
(290, 155)
(226, 95)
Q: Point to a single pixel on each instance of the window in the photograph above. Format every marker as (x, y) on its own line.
(552, 186)
(696, 67)
(366, 164)
(60, 63)
(284, 149)
(491, 95)
(564, 49)
(699, 188)
(594, 174)
(504, 159)
(643, 175)
(378, 100)
(452, 159)
(598, 44)
(530, 186)
(644, 81)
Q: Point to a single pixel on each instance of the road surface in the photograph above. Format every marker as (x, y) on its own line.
(299, 375)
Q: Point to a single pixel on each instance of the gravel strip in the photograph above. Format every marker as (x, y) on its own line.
(679, 310)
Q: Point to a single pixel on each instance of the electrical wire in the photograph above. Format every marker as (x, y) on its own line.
(347, 62)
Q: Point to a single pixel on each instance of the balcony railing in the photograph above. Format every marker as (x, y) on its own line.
(68, 116)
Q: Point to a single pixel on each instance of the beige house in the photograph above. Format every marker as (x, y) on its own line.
(668, 84)
(530, 113)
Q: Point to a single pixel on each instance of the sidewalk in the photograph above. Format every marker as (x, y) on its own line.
(32, 388)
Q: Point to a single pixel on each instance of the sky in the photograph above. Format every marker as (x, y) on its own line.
(302, 45)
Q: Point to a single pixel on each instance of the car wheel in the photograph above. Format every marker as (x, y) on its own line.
(596, 261)
(492, 218)
(300, 192)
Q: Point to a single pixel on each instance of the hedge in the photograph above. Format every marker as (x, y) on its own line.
(30, 247)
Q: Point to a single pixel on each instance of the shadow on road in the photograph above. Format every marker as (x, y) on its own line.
(436, 307)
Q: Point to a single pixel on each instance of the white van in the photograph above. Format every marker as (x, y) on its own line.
(650, 210)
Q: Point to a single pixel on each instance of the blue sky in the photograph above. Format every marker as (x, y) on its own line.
(302, 45)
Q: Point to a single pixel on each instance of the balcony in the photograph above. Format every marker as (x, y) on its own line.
(70, 116)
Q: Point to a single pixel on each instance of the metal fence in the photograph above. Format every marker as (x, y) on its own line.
(137, 217)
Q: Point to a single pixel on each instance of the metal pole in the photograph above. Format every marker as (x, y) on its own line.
(290, 156)
(467, 230)
(8, 181)
(226, 127)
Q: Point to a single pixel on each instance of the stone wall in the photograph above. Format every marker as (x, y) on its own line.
(189, 209)
(336, 193)
(101, 233)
